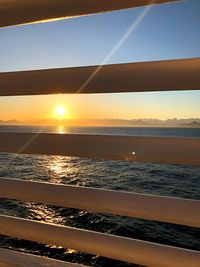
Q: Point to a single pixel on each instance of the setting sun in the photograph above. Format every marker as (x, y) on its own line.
(60, 111)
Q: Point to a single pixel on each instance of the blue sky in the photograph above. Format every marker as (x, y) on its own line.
(167, 31)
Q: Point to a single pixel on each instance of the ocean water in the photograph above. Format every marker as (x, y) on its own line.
(160, 179)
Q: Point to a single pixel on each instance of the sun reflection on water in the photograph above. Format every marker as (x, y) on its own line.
(58, 170)
(56, 166)
(61, 170)
(61, 129)
(43, 213)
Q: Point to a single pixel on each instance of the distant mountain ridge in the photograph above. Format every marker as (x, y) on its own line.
(190, 122)
(9, 122)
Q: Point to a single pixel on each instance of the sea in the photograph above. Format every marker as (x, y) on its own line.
(159, 179)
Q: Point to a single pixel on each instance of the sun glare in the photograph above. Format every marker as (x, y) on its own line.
(60, 111)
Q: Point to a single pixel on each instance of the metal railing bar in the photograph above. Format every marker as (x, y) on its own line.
(167, 75)
(115, 247)
(17, 12)
(151, 207)
(10, 258)
(177, 150)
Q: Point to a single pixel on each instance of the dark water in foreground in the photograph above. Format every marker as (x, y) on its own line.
(169, 180)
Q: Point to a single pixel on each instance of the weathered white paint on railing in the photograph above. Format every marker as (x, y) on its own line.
(115, 247)
(10, 258)
(181, 74)
(151, 207)
(21, 11)
(144, 149)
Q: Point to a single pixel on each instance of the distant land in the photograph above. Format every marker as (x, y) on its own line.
(193, 124)
(189, 123)
(9, 122)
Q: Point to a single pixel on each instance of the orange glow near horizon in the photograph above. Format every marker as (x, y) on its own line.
(75, 109)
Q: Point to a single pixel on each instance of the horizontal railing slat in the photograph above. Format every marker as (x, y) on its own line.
(143, 149)
(17, 12)
(10, 258)
(115, 247)
(151, 207)
(181, 74)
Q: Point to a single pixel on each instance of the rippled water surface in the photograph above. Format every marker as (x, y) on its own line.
(169, 180)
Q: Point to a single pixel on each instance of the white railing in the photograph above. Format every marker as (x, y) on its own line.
(111, 246)
(134, 77)
(151, 207)
(9, 258)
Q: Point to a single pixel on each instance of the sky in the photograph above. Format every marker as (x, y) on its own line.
(161, 32)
